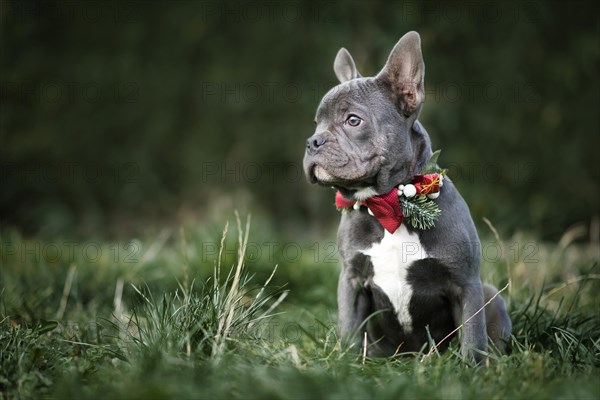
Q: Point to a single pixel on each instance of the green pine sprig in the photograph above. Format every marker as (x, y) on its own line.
(419, 211)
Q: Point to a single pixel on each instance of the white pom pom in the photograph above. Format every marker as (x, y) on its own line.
(400, 187)
(433, 196)
(370, 212)
(356, 206)
(410, 190)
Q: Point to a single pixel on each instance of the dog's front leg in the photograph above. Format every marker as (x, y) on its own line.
(470, 312)
(354, 305)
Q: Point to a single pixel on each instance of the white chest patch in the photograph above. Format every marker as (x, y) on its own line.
(391, 258)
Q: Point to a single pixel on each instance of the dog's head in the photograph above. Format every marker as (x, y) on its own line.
(364, 142)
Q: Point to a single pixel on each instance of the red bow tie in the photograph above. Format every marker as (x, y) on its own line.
(386, 208)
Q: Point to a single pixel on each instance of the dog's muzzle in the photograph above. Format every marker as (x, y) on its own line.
(315, 142)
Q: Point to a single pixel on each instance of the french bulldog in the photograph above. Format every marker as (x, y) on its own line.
(408, 288)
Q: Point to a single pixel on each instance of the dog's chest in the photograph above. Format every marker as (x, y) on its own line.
(391, 259)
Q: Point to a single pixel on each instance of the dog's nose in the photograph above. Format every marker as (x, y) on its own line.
(314, 142)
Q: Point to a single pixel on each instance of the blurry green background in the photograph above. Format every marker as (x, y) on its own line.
(117, 117)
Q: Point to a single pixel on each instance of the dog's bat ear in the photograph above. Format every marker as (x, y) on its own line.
(344, 66)
(405, 73)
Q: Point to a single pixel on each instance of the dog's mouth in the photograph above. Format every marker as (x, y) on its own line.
(321, 176)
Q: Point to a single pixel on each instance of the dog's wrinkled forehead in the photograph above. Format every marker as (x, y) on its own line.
(353, 95)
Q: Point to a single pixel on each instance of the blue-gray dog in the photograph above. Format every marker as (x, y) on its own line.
(412, 285)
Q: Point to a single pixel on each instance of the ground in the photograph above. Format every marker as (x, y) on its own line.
(147, 318)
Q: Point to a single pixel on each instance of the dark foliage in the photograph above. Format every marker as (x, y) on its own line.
(120, 111)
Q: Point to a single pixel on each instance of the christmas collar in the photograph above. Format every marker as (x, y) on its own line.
(411, 202)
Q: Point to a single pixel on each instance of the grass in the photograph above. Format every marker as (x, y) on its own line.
(182, 315)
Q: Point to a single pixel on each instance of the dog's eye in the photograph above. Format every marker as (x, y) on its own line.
(353, 120)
